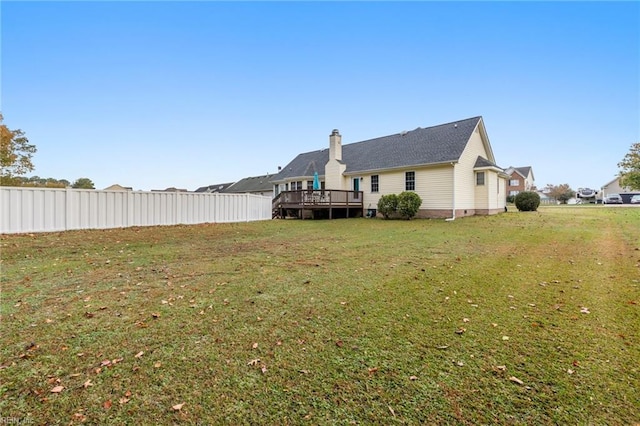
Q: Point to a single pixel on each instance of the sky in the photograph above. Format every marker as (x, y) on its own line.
(153, 95)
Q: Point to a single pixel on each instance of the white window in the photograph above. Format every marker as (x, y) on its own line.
(514, 182)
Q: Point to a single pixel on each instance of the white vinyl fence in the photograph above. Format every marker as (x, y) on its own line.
(53, 209)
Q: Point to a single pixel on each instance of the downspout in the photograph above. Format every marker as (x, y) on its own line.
(453, 199)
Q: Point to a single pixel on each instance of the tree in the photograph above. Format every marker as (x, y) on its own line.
(630, 165)
(15, 154)
(83, 183)
(561, 193)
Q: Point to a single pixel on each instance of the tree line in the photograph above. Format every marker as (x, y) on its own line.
(16, 155)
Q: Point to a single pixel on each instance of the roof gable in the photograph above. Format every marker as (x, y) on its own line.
(443, 143)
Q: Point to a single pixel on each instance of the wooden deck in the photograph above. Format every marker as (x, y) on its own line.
(328, 203)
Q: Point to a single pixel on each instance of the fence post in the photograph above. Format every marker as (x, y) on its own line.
(68, 208)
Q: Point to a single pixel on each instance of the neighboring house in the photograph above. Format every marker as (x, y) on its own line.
(214, 188)
(116, 187)
(614, 187)
(171, 189)
(450, 166)
(545, 198)
(520, 179)
(258, 185)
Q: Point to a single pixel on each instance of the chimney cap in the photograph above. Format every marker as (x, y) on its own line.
(335, 132)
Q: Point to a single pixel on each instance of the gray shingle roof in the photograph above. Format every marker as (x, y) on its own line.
(251, 184)
(214, 188)
(422, 146)
(483, 162)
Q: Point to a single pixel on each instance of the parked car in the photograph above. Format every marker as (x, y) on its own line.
(635, 199)
(613, 199)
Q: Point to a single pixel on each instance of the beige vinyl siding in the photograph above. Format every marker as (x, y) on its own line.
(466, 195)
(481, 191)
(433, 185)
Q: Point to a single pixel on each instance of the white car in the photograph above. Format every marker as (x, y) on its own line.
(635, 199)
(612, 199)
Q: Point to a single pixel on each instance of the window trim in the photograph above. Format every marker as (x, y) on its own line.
(375, 186)
(410, 184)
(478, 174)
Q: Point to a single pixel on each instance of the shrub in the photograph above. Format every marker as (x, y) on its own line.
(511, 198)
(527, 201)
(408, 204)
(387, 205)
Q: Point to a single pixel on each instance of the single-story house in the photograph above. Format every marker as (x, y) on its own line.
(258, 185)
(520, 179)
(210, 189)
(450, 166)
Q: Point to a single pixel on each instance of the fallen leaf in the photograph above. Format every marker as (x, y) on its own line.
(502, 367)
(584, 311)
(263, 369)
(178, 407)
(254, 346)
(157, 364)
(516, 380)
(254, 361)
(139, 354)
(413, 378)
(339, 343)
(461, 330)
(107, 404)
(123, 400)
(373, 370)
(465, 320)
(391, 410)
(87, 384)
(570, 371)
(505, 337)
(57, 389)
(442, 347)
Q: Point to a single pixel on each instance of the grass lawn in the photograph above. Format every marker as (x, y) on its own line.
(519, 318)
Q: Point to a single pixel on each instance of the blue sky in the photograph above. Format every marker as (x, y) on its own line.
(186, 94)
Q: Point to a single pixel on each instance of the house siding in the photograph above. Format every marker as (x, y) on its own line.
(432, 185)
(466, 190)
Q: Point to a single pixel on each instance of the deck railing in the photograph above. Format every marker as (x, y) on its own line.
(309, 199)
